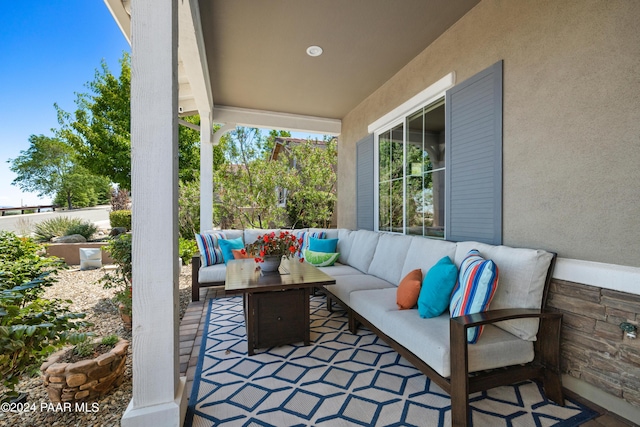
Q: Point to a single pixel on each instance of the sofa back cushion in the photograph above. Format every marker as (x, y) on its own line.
(389, 257)
(345, 243)
(233, 234)
(424, 253)
(329, 233)
(362, 249)
(523, 274)
(251, 234)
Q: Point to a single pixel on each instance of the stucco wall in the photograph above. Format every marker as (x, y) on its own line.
(571, 138)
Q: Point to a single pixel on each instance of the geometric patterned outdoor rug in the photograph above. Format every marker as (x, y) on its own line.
(341, 379)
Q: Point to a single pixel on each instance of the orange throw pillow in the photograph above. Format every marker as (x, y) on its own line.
(237, 254)
(409, 290)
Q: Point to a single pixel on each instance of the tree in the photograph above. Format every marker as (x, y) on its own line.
(48, 167)
(247, 183)
(99, 130)
(311, 188)
(189, 151)
(247, 186)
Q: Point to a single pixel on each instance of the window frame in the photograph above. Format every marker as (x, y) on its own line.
(396, 117)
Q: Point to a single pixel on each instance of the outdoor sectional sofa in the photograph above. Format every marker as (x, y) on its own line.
(520, 340)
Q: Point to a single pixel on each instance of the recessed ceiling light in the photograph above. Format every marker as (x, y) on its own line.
(314, 51)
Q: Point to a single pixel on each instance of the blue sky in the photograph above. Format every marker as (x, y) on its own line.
(49, 50)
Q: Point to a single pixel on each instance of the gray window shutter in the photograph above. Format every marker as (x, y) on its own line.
(364, 183)
(473, 199)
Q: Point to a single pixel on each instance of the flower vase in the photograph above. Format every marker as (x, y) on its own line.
(271, 263)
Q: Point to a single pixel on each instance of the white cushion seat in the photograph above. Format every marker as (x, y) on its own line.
(345, 285)
(212, 274)
(338, 269)
(429, 338)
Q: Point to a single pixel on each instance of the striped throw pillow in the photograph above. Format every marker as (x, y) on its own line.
(306, 235)
(210, 252)
(476, 286)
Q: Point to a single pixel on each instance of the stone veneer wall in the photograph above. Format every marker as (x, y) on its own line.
(594, 348)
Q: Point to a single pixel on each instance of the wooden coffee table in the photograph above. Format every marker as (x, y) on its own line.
(276, 305)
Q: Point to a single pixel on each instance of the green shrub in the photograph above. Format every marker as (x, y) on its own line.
(63, 226)
(110, 340)
(85, 229)
(119, 248)
(84, 349)
(187, 248)
(31, 327)
(120, 219)
(189, 209)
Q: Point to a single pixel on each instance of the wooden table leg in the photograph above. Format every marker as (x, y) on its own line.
(249, 320)
(307, 316)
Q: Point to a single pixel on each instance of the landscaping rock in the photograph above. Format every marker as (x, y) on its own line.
(116, 231)
(73, 238)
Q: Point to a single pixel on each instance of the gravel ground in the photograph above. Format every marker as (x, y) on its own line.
(90, 298)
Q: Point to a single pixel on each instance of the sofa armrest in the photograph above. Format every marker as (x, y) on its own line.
(547, 349)
(195, 284)
(494, 316)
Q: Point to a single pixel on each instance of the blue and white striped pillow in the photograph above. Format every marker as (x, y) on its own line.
(306, 235)
(476, 286)
(210, 252)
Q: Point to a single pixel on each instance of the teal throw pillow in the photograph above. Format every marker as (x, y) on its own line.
(437, 285)
(323, 245)
(228, 245)
(321, 259)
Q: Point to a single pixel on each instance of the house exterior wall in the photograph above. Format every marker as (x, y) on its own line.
(571, 120)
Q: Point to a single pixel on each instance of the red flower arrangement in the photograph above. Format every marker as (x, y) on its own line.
(283, 244)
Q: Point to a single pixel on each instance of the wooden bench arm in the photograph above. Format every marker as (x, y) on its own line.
(195, 285)
(547, 354)
(494, 316)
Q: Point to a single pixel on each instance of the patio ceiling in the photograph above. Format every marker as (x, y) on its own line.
(256, 49)
(245, 58)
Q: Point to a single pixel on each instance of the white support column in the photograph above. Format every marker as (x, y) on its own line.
(206, 172)
(158, 392)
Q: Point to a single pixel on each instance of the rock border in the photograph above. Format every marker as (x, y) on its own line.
(86, 379)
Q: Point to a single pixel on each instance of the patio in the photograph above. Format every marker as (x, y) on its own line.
(560, 80)
(191, 336)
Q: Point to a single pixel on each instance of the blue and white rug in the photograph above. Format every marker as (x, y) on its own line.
(339, 380)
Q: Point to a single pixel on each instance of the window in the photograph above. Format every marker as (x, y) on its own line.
(415, 190)
(411, 174)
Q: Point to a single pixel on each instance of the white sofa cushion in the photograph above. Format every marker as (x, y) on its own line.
(230, 234)
(389, 257)
(428, 339)
(375, 304)
(329, 233)
(362, 250)
(425, 252)
(345, 285)
(338, 269)
(212, 274)
(345, 243)
(251, 234)
(521, 285)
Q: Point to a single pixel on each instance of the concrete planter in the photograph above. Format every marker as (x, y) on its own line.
(86, 379)
(70, 252)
